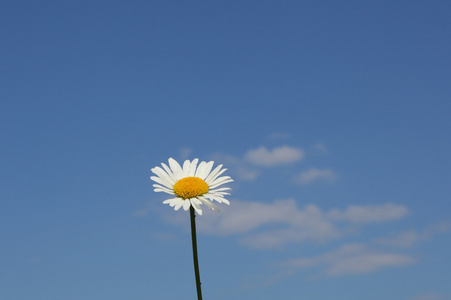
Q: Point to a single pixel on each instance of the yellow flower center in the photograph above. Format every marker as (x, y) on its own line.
(190, 187)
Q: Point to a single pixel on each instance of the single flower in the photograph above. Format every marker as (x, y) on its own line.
(192, 184)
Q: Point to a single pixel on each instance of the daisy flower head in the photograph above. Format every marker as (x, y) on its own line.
(191, 184)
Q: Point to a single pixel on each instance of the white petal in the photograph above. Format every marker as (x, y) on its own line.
(162, 182)
(169, 201)
(174, 201)
(217, 175)
(209, 203)
(193, 166)
(214, 197)
(206, 170)
(222, 193)
(218, 198)
(163, 175)
(213, 173)
(161, 189)
(219, 184)
(168, 170)
(220, 190)
(200, 168)
(186, 204)
(186, 168)
(220, 181)
(160, 186)
(178, 204)
(196, 204)
(176, 169)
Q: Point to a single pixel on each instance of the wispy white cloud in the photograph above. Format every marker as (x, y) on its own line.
(403, 239)
(292, 225)
(351, 259)
(274, 225)
(283, 155)
(245, 216)
(320, 147)
(410, 238)
(239, 169)
(251, 164)
(185, 153)
(246, 174)
(312, 175)
(370, 214)
(142, 212)
(280, 223)
(442, 227)
(279, 136)
(427, 297)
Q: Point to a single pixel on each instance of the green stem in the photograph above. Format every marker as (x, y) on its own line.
(196, 262)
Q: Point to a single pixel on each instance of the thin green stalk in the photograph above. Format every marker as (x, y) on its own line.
(196, 262)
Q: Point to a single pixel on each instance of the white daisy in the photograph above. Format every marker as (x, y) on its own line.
(192, 185)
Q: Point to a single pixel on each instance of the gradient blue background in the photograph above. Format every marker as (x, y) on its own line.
(96, 93)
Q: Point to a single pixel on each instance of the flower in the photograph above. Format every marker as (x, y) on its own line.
(192, 185)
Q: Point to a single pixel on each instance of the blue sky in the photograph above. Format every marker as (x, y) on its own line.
(332, 118)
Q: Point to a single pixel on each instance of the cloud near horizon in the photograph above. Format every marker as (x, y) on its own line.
(428, 297)
(410, 238)
(370, 213)
(351, 259)
(274, 225)
(281, 223)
